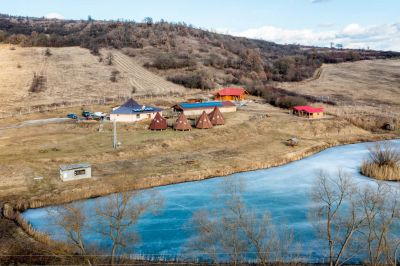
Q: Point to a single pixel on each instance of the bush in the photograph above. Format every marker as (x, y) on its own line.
(290, 101)
(47, 52)
(170, 61)
(38, 83)
(383, 162)
(191, 81)
(384, 153)
(114, 75)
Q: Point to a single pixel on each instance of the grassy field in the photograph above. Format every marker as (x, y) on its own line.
(367, 92)
(72, 74)
(249, 140)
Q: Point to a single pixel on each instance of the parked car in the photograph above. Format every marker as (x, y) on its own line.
(72, 116)
(86, 114)
(99, 115)
(89, 117)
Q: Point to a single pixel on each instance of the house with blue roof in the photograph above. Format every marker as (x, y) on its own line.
(195, 109)
(132, 111)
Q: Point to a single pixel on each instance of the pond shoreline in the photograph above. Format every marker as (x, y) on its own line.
(13, 211)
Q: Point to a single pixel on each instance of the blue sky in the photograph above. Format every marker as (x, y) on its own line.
(355, 23)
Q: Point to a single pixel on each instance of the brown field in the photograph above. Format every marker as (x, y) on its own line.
(369, 83)
(367, 92)
(72, 74)
(248, 141)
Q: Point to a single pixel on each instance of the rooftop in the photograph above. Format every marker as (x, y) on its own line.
(133, 107)
(231, 92)
(308, 109)
(203, 105)
(74, 166)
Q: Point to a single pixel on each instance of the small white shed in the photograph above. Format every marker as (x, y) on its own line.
(75, 171)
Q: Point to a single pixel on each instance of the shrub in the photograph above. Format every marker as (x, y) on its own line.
(191, 81)
(47, 52)
(38, 83)
(290, 101)
(384, 153)
(114, 75)
(171, 61)
(383, 162)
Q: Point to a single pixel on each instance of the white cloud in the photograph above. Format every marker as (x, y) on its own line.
(54, 15)
(379, 37)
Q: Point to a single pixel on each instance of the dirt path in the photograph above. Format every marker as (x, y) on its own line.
(38, 122)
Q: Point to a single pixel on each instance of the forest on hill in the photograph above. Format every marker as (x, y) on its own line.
(192, 57)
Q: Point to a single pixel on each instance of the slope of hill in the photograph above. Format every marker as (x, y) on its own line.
(183, 54)
(71, 74)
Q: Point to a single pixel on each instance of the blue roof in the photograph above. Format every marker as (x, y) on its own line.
(200, 105)
(132, 107)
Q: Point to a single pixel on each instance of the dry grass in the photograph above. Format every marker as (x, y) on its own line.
(360, 83)
(248, 141)
(72, 74)
(367, 92)
(384, 172)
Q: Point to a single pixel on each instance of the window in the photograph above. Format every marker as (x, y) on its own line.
(80, 172)
(138, 116)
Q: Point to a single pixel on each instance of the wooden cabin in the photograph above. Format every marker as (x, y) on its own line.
(231, 94)
(308, 111)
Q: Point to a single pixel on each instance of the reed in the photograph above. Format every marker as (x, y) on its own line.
(384, 172)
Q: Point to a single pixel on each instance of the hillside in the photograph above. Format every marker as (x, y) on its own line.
(186, 55)
(71, 74)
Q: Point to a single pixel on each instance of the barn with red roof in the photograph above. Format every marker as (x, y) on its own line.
(308, 111)
(231, 94)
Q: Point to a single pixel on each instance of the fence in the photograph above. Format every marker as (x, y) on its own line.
(98, 101)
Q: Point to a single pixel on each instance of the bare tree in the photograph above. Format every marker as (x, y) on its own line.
(336, 215)
(235, 230)
(117, 216)
(381, 210)
(384, 153)
(73, 222)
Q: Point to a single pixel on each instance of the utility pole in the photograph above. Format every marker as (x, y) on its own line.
(115, 134)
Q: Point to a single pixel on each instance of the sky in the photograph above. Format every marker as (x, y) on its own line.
(373, 24)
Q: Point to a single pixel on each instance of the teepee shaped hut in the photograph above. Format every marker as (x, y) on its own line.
(216, 117)
(158, 123)
(203, 122)
(182, 123)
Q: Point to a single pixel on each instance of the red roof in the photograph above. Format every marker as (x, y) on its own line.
(231, 92)
(309, 109)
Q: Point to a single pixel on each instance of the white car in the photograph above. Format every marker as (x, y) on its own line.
(99, 114)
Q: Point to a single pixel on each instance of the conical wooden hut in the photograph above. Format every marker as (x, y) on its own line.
(203, 122)
(158, 123)
(182, 123)
(216, 117)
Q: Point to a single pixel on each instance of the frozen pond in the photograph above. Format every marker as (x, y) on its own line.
(283, 191)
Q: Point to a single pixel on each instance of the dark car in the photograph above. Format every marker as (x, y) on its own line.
(86, 113)
(72, 116)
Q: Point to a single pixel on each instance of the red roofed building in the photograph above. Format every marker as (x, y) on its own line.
(308, 111)
(231, 94)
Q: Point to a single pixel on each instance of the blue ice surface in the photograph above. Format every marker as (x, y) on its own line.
(282, 191)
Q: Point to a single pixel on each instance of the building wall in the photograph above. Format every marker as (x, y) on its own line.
(196, 112)
(313, 115)
(317, 115)
(69, 175)
(230, 98)
(132, 117)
